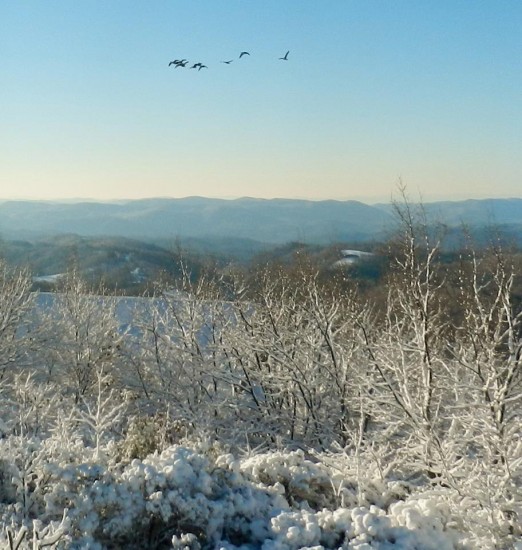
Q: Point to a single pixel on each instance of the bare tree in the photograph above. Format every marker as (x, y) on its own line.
(487, 380)
(406, 352)
(16, 301)
(82, 334)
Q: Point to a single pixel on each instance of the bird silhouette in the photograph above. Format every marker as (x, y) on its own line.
(242, 54)
(196, 66)
(285, 57)
(227, 62)
(202, 67)
(178, 63)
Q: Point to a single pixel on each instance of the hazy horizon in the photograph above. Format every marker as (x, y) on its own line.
(395, 198)
(371, 93)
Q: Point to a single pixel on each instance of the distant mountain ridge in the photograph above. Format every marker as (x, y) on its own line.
(475, 212)
(263, 220)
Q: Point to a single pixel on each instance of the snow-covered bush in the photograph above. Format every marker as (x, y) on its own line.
(270, 500)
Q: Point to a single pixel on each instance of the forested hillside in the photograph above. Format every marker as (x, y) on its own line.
(273, 407)
(126, 266)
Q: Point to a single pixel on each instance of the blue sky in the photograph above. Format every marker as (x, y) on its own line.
(429, 92)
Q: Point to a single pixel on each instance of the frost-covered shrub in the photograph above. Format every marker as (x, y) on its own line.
(301, 479)
(175, 493)
(200, 499)
(362, 528)
(310, 486)
(142, 438)
(29, 404)
(148, 434)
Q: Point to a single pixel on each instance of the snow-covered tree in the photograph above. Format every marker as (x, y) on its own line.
(82, 335)
(15, 303)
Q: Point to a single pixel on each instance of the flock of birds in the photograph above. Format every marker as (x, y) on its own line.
(184, 62)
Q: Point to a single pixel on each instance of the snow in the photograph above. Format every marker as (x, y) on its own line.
(272, 501)
(49, 278)
(351, 257)
(63, 484)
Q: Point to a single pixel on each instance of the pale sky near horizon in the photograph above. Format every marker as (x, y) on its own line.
(373, 92)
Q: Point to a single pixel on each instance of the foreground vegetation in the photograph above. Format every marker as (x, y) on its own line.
(277, 407)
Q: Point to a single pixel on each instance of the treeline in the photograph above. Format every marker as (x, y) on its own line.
(132, 267)
(415, 373)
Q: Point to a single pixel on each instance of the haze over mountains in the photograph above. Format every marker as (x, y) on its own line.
(273, 221)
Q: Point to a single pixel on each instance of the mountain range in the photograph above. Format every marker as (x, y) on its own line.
(273, 221)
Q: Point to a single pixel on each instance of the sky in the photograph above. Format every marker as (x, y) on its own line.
(374, 94)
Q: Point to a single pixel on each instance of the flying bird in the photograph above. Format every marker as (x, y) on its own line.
(242, 54)
(178, 63)
(202, 67)
(196, 66)
(227, 62)
(285, 57)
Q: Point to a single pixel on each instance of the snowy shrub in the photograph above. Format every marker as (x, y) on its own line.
(199, 498)
(301, 479)
(142, 438)
(181, 496)
(146, 434)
